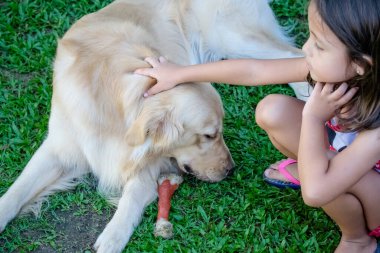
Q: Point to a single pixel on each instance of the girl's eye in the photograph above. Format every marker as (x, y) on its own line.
(317, 46)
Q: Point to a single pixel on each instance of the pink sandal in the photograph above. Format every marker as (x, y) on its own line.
(293, 183)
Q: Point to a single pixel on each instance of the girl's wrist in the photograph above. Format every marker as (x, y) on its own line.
(180, 76)
(312, 118)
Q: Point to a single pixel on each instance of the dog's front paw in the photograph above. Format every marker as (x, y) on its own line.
(111, 241)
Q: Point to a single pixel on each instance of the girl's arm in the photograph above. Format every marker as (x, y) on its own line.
(322, 179)
(248, 72)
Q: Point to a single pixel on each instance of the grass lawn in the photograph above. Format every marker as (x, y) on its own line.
(239, 214)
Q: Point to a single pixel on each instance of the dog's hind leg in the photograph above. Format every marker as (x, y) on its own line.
(139, 192)
(40, 177)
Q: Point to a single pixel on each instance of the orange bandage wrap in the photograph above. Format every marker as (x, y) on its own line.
(165, 193)
(167, 185)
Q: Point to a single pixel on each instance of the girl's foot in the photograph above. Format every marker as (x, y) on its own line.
(367, 245)
(283, 174)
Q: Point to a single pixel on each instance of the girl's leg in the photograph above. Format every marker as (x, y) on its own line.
(356, 213)
(280, 116)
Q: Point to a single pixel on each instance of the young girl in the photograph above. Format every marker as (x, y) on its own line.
(342, 61)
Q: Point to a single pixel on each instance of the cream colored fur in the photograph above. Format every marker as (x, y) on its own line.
(101, 124)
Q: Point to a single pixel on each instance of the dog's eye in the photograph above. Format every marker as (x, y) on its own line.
(210, 136)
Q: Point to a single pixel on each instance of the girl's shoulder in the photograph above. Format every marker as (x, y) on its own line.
(364, 152)
(371, 137)
(374, 133)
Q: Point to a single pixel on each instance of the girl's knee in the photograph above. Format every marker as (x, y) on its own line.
(270, 111)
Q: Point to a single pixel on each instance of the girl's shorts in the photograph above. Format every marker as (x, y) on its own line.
(375, 232)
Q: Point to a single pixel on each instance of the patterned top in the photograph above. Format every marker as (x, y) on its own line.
(339, 141)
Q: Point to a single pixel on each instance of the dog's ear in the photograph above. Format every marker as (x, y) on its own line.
(156, 123)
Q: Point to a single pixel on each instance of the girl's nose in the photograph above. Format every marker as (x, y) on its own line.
(307, 49)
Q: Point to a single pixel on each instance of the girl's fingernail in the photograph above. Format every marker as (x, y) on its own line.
(145, 95)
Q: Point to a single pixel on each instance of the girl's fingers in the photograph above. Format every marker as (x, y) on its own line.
(157, 88)
(340, 91)
(328, 88)
(152, 91)
(153, 61)
(347, 96)
(318, 87)
(144, 71)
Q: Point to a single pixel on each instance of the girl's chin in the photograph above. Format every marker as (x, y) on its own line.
(312, 75)
(316, 78)
(320, 79)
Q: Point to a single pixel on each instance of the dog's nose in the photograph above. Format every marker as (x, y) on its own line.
(230, 168)
(229, 171)
(230, 165)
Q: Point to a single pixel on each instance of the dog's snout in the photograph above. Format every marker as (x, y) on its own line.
(230, 169)
(230, 166)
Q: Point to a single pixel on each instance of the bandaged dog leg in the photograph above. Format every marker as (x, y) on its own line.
(167, 185)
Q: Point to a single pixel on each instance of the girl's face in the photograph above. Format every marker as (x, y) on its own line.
(326, 56)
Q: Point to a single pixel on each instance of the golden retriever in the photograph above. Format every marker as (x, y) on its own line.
(100, 122)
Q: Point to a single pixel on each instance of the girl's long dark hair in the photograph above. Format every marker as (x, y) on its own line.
(357, 24)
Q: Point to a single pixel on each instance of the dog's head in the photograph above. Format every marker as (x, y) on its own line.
(185, 123)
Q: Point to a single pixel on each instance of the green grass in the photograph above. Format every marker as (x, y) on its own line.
(240, 214)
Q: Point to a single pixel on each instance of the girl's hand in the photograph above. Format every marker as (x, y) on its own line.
(163, 71)
(324, 100)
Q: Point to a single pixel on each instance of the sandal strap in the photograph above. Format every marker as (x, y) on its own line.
(282, 169)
